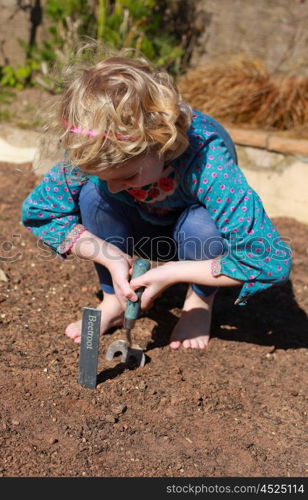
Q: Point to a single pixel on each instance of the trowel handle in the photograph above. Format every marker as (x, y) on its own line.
(140, 267)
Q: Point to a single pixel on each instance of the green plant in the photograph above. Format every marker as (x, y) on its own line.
(145, 25)
(117, 23)
(16, 78)
(137, 24)
(70, 20)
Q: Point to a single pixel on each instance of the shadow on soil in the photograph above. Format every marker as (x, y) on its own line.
(272, 318)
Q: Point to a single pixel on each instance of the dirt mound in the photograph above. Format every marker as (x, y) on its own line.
(237, 409)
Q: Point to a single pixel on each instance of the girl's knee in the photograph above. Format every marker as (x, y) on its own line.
(197, 235)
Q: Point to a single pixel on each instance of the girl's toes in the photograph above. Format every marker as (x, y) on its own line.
(69, 331)
(175, 344)
(72, 331)
(194, 344)
(202, 343)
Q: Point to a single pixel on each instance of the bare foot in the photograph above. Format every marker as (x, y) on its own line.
(112, 315)
(193, 328)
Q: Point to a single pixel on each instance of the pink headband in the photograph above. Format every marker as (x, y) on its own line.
(91, 133)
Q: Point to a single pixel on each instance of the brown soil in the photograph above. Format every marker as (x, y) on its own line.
(237, 409)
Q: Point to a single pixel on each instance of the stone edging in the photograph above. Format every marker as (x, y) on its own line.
(268, 140)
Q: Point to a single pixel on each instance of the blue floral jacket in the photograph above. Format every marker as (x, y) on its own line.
(206, 173)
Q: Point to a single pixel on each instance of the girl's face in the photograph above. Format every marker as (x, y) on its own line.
(134, 173)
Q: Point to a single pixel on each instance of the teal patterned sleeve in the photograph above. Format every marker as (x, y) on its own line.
(254, 251)
(51, 211)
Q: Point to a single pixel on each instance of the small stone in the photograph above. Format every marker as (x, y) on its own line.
(110, 419)
(15, 422)
(119, 409)
(3, 276)
(142, 385)
(294, 393)
(249, 445)
(228, 327)
(53, 440)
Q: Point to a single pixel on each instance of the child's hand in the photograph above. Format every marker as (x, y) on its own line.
(155, 282)
(120, 268)
(119, 264)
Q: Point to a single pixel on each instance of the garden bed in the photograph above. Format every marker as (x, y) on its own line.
(236, 409)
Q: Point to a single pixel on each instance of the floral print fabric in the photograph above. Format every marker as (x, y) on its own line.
(158, 191)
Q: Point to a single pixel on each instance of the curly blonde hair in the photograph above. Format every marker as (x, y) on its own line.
(118, 108)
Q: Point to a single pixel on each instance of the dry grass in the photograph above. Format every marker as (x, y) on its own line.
(244, 92)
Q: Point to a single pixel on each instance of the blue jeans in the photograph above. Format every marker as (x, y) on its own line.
(194, 236)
